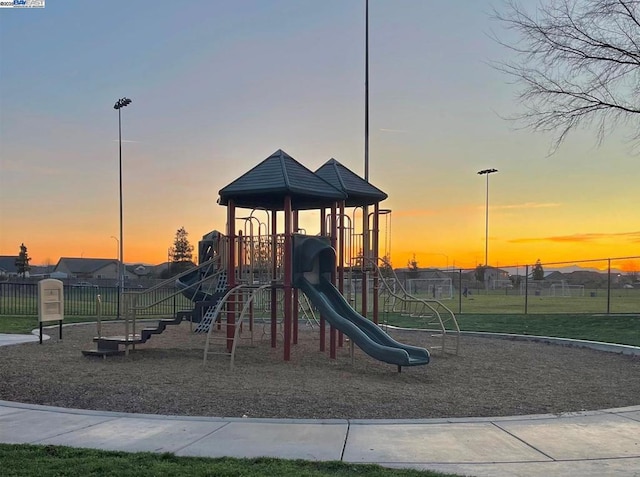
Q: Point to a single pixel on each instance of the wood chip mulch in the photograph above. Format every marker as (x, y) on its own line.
(166, 375)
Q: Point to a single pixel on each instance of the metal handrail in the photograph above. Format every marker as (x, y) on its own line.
(172, 280)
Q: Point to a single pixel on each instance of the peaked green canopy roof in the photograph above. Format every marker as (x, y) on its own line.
(359, 192)
(278, 176)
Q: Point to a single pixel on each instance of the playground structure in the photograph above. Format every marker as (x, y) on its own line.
(260, 266)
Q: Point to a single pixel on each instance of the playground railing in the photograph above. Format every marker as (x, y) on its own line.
(139, 301)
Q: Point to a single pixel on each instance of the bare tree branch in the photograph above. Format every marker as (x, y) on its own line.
(578, 65)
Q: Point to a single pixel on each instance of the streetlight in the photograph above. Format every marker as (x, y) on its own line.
(121, 103)
(118, 255)
(366, 90)
(486, 236)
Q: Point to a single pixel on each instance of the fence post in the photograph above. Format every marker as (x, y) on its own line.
(608, 286)
(460, 290)
(526, 289)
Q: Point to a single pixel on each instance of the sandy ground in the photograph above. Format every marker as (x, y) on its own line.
(167, 376)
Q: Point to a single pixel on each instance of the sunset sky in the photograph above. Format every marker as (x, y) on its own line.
(218, 86)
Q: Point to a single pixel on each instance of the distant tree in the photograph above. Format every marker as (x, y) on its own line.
(538, 271)
(577, 62)
(181, 252)
(22, 262)
(386, 268)
(412, 264)
(480, 273)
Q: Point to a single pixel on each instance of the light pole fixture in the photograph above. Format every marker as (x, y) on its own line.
(486, 219)
(121, 103)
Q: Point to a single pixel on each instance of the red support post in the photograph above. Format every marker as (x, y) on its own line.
(323, 232)
(376, 276)
(287, 278)
(334, 245)
(296, 305)
(274, 276)
(240, 256)
(365, 255)
(341, 250)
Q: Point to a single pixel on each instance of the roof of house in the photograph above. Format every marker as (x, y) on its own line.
(8, 263)
(553, 275)
(84, 265)
(359, 191)
(278, 176)
(423, 273)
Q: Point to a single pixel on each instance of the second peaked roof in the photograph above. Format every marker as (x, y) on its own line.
(359, 192)
(280, 175)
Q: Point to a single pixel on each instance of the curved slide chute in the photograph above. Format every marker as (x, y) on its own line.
(192, 286)
(314, 260)
(188, 285)
(364, 333)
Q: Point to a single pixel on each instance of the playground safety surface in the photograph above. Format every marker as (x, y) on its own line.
(604, 442)
(167, 376)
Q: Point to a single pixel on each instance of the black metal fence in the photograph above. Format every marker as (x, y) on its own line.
(21, 299)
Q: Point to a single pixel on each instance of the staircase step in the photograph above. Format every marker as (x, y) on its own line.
(102, 352)
(132, 339)
(170, 321)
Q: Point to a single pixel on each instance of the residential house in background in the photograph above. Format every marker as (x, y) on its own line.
(141, 270)
(8, 266)
(497, 278)
(91, 268)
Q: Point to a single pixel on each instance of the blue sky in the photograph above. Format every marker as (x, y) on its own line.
(217, 86)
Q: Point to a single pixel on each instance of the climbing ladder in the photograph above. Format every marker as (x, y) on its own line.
(210, 315)
(307, 311)
(239, 302)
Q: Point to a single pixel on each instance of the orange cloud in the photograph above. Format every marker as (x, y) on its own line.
(416, 213)
(526, 205)
(630, 266)
(633, 237)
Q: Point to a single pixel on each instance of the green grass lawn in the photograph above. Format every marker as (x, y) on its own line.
(620, 301)
(43, 461)
(24, 324)
(622, 329)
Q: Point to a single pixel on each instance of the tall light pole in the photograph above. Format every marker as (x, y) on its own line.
(118, 272)
(121, 103)
(486, 219)
(366, 91)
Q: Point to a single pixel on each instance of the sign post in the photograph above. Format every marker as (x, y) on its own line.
(50, 303)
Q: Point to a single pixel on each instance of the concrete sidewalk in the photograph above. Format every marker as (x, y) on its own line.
(597, 443)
